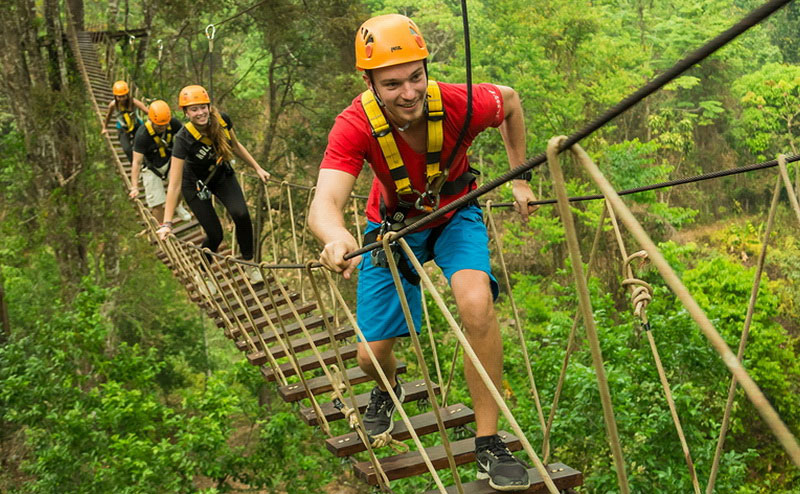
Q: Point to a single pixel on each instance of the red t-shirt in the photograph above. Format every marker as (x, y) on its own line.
(350, 142)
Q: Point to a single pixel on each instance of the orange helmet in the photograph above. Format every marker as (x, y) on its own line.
(159, 112)
(193, 95)
(120, 88)
(388, 40)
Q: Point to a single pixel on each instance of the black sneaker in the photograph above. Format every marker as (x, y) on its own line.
(495, 462)
(380, 410)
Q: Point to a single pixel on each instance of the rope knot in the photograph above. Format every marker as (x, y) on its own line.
(641, 291)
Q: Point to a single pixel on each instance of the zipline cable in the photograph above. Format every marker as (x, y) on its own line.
(683, 65)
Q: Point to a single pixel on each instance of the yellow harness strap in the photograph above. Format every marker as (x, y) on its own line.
(382, 131)
(162, 147)
(205, 140)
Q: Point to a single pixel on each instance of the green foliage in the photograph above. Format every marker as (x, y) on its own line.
(770, 97)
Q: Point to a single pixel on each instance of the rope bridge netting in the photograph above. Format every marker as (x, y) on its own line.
(302, 338)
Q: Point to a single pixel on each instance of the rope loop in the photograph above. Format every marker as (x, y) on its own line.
(642, 294)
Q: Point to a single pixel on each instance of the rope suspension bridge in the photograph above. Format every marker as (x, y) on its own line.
(297, 327)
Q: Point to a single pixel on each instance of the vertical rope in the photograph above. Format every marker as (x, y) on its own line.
(515, 311)
(429, 330)
(788, 183)
(271, 225)
(712, 477)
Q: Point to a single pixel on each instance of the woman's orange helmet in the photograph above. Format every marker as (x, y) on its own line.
(388, 40)
(120, 88)
(193, 95)
(159, 112)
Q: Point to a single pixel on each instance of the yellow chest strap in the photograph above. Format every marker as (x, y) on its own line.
(205, 140)
(382, 131)
(162, 146)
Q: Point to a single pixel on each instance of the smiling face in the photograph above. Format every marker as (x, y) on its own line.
(403, 89)
(197, 114)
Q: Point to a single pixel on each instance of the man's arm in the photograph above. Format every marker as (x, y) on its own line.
(326, 220)
(513, 131)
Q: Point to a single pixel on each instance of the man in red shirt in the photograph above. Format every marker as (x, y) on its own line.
(404, 127)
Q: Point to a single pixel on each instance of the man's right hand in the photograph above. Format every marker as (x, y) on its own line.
(104, 131)
(332, 256)
(134, 193)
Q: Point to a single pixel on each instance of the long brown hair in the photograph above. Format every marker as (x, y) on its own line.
(215, 132)
(128, 103)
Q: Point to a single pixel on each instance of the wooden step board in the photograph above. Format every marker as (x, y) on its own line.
(411, 463)
(261, 321)
(414, 391)
(311, 362)
(452, 416)
(251, 304)
(321, 384)
(302, 343)
(563, 477)
(310, 322)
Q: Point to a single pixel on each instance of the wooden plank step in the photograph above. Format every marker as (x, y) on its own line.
(301, 344)
(261, 321)
(452, 416)
(250, 305)
(563, 477)
(310, 362)
(414, 391)
(411, 463)
(310, 323)
(319, 385)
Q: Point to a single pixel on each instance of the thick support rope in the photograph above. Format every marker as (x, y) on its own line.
(487, 381)
(755, 395)
(517, 323)
(570, 346)
(641, 296)
(586, 307)
(726, 415)
(401, 293)
(399, 406)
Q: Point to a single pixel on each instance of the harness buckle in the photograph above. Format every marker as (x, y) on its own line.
(428, 201)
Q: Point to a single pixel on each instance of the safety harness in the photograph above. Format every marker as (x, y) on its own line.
(202, 189)
(162, 144)
(127, 118)
(436, 179)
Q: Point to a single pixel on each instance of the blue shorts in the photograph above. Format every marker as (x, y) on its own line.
(462, 244)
